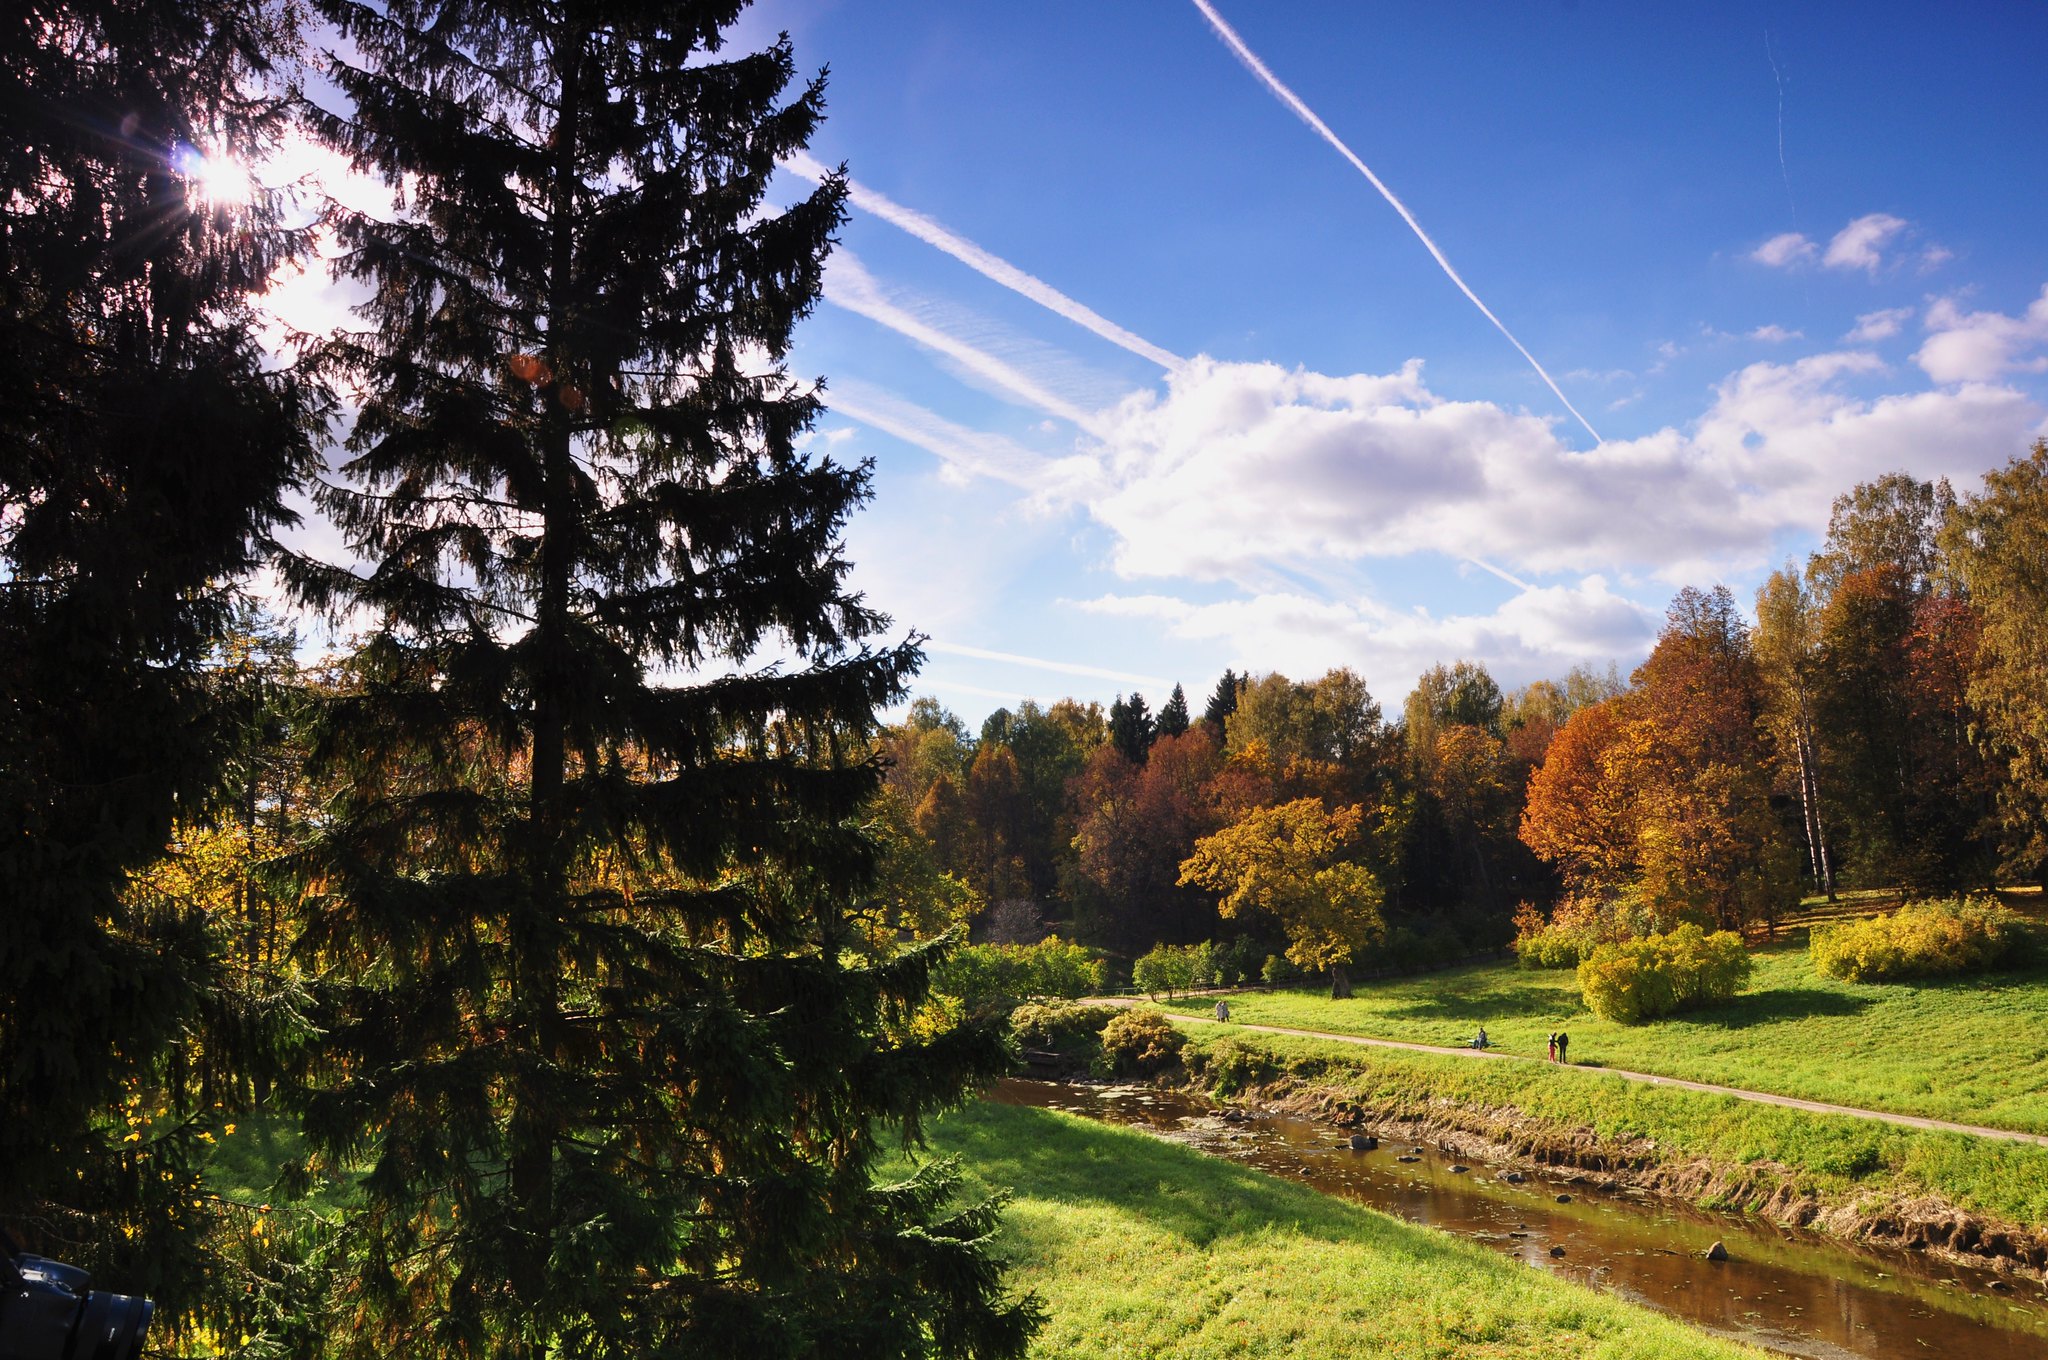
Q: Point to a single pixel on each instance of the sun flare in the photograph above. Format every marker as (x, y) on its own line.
(216, 178)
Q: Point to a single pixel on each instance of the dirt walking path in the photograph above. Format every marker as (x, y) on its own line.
(1911, 1121)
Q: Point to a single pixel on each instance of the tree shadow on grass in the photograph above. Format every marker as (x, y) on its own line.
(1041, 1155)
(1779, 1005)
(1504, 1002)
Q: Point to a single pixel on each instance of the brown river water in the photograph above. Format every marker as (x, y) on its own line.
(1791, 1291)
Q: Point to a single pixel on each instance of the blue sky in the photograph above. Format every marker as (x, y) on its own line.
(1765, 251)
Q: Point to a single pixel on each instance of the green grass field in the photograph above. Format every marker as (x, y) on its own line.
(1137, 1247)
(1837, 1158)
(1969, 1049)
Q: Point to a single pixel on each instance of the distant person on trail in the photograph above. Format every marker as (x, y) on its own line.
(1481, 1041)
(1553, 1045)
(1562, 1040)
(1223, 1011)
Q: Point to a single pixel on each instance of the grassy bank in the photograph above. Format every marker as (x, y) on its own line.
(1762, 1150)
(1141, 1248)
(1969, 1049)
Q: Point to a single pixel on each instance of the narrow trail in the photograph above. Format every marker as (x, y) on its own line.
(1911, 1121)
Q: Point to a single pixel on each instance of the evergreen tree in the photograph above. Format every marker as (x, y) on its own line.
(593, 1015)
(144, 450)
(1173, 714)
(1130, 727)
(1223, 701)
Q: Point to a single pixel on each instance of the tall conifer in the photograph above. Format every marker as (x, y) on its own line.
(595, 1025)
(144, 449)
(1173, 714)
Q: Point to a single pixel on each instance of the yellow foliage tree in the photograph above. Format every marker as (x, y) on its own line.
(1293, 861)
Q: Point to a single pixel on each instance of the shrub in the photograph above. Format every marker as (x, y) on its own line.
(982, 973)
(1140, 1042)
(1553, 947)
(1920, 939)
(1229, 1066)
(1636, 980)
(1171, 968)
(1061, 1027)
(1237, 963)
(1279, 970)
(1567, 938)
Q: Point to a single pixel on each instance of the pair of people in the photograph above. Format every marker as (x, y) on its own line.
(1558, 1041)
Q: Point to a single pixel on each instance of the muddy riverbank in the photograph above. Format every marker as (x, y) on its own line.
(1924, 1224)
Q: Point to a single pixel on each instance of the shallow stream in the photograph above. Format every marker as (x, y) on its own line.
(1792, 1291)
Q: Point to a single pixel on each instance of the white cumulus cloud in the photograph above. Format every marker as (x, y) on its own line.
(1879, 325)
(1966, 347)
(1237, 467)
(1775, 334)
(1539, 632)
(1785, 250)
(1861, 244)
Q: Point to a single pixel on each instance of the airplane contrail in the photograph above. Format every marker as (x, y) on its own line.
(1061, 667)
(990, 266)
(971, 451)
(1486, 566)
(849, 285)
(1307, 115)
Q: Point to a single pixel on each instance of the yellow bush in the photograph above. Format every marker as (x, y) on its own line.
(1636, 980)
(1141, 1042)
(1920, 939)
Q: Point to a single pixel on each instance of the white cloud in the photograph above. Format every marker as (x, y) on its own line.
(1861, 244)
(1967, 347)
(1880, 325)
(1238, 467)
(1934, 257)
(1775, 334)
(1785, 250)
(1538, 632)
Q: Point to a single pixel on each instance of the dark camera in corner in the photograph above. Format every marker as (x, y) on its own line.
(48, 1313)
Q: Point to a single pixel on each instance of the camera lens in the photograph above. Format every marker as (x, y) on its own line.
(110, 1327)
(47, 1313)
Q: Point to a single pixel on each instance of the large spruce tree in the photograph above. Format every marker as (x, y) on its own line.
(145, 445)
(594, 1022)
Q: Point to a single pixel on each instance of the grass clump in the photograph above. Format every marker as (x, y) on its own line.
(1138, 1247)
(1921, 939)
(1636, 980)
(1228, 1067)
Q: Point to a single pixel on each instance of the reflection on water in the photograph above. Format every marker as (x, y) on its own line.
(1790, 1290)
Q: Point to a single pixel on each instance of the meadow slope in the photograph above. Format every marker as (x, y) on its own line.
(1973, 1050)
(1137, 1247)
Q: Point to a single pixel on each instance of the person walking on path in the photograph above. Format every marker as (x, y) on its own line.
(1562, 1040)
(1223, 1011)
(1553, 1045)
